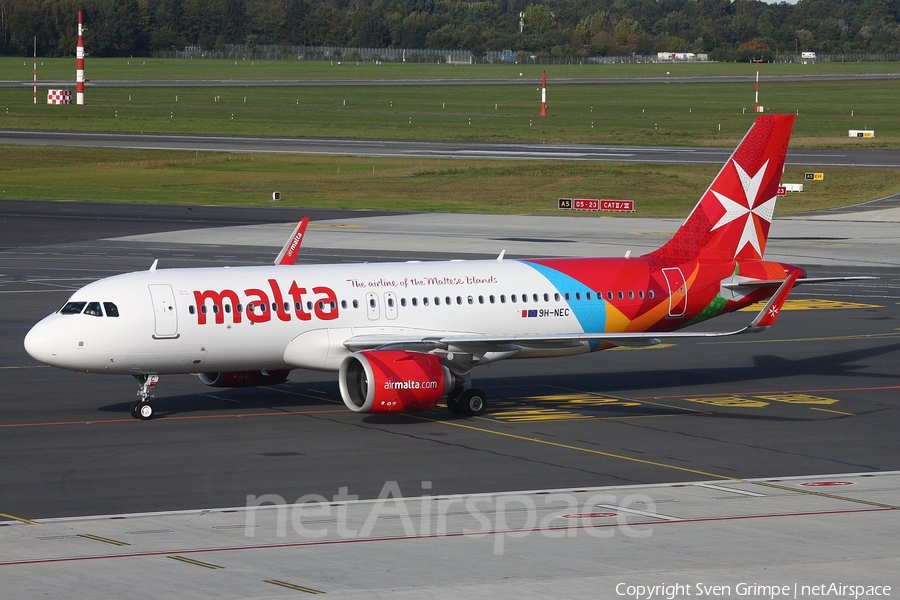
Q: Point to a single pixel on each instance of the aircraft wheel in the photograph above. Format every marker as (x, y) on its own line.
(144, 411)
(473, 403)
(453, 404)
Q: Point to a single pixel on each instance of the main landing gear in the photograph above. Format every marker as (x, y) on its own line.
(142, 409)
(471, 402)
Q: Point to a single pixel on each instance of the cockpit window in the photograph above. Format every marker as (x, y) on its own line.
(72, 308)
(93, 309)
(111, 309)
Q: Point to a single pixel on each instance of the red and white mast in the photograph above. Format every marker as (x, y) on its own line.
(544, 94)
(79, 65)
(756, 102)
(35, 69)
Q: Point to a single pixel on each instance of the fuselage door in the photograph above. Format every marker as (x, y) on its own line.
(677, 291)
(164, 314)
(390, 305)
(372, 309)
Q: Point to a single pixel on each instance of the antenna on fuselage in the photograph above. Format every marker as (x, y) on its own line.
(502, 252)
(153, 266)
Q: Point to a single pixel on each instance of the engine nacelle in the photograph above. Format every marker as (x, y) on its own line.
(393, 381)
(244, 378)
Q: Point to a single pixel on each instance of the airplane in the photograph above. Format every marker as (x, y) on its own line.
(403, 336)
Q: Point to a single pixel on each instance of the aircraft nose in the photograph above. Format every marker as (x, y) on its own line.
(39, 343)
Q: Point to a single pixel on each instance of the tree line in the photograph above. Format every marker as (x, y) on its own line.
(724, 29)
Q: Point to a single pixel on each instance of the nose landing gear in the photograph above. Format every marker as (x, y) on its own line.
(142, 409)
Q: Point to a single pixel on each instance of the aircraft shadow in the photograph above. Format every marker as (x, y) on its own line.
(299, 397)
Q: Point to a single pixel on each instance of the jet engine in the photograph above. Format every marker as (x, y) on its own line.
(393, 381)
(244, 378)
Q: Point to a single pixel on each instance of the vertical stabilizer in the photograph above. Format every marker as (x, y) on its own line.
(733, 217)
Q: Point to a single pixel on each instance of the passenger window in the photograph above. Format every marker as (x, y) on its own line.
(344, 304)
(459, 299)
(567, 297)
(425, 301)
(227, 308)
(546, 297)
(437, 301)
(502, 298)
(215, 309)
(578, 295)
(640, 294)
(403, 302)
(203, 308)
(631, 294)
(587, 296)
(415, 301)
(512, 298)
(72, 308)
(448, 301)
(534, 297)
(356, 304)
(111, 309)
(240, 307)
(480, 299)
(556, 296)
(621, 295)
(191, 309)
(390, 303)
(651, 294)
(491, 298)
(524, 298)
(609, 295)
(470, 300)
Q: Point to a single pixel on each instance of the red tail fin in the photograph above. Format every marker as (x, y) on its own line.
(733, 217)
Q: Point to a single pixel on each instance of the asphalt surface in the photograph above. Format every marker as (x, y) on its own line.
(419, 149)
(815, 395)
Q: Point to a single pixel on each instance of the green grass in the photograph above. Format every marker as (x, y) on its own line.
(645, 114)
(623, 114)
(388, 184)
(58, 69)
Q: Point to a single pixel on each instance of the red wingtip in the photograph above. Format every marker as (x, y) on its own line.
(770, 313)
(291, 250)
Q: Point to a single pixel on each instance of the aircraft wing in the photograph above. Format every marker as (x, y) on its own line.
(759, 283)
(481, 343)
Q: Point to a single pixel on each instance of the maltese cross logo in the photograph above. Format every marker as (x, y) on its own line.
(750, 208)
(773, 312)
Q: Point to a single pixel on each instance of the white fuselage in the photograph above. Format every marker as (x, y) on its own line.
(212, 319)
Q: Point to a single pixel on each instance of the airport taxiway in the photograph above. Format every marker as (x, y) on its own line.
(856, 158)
(691, 427)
